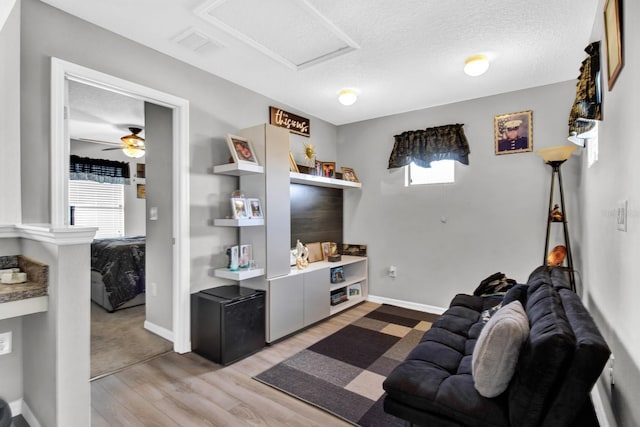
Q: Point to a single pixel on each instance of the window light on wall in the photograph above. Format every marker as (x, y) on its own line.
(440, 172)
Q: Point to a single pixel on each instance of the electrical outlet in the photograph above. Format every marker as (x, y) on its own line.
(154, 289)
(5, 343)
(393, 271)
(622, 215)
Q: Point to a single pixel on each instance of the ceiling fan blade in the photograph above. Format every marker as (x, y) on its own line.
(114, 148)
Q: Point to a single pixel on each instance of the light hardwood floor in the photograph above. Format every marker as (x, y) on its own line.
(188, 390)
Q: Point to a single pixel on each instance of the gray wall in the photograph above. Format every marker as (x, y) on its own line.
(495, 212)
(217, 107)
(10, 118)
(159, 247)
(134, 208)
(11, 364)
(610, 260)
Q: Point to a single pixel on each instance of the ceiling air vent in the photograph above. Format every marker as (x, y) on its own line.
(194, 40)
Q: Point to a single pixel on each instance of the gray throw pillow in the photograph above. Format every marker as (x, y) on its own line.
(496, 352)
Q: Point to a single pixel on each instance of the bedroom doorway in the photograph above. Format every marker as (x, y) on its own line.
(177, 329)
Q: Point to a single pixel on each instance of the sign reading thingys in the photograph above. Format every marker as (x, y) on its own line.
(294, 123)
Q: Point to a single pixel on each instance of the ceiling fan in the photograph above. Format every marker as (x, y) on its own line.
(132, 145)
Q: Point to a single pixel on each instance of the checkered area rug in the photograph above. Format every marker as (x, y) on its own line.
(343, 373)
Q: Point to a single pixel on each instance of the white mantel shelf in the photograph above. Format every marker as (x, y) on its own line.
(244, 222)
(321, 181)
(238, 169)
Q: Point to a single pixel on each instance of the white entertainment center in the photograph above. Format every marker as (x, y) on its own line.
(295, 298)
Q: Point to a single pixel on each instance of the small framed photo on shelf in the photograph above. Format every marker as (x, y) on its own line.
(241, 150)
(245, 256)
(255, 209)
(329, 169)
(349, 175)
(239, 208)
(337, 275)
(354, 291)
(326, 246)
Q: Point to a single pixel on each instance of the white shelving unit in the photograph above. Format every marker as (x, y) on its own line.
(238, 275)
(321, 181)
(227, 222)
(238, 169)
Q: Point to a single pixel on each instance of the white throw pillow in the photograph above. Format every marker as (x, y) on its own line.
(496, 352)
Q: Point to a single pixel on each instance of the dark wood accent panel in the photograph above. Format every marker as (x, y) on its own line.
(316, 214)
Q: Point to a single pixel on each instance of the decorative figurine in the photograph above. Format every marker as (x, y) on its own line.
(556, 214)
(302, 253)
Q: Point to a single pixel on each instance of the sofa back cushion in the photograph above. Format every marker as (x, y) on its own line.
(544, 357)
(590, 357)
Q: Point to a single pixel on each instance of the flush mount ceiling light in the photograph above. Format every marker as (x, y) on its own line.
(476, 65)
(347, 96)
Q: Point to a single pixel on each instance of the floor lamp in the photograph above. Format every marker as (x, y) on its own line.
(555, 157)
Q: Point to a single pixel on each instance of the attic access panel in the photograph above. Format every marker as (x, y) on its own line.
(292, 32)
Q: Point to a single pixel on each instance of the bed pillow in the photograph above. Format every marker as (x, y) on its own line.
(496, 352)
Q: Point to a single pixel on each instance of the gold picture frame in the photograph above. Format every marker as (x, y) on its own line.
(513, 132)
(348, 174)
(141, 191)
(613, 38)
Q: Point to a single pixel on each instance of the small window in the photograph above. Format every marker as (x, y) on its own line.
(96, 204)
(440, 172)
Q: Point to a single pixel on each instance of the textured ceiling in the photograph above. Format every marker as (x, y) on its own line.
(400, 55)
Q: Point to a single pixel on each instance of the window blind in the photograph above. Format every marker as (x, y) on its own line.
(98, 205)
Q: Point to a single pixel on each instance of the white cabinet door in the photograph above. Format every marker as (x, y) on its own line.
(316, 295)
(285, 310)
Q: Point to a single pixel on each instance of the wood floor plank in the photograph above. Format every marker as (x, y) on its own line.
(189, 390)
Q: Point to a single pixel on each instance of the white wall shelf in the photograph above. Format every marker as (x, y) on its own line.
(243, 274)
(238, 169)
(24, 307)
(245, 222)
(322, 181)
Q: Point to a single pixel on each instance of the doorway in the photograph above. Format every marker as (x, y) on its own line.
(61, 73)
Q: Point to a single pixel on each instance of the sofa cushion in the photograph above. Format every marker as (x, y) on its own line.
(496, 352)
(590, 357)
(436, 375)
(545, 356)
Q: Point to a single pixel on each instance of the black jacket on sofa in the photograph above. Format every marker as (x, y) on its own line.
(557, 366)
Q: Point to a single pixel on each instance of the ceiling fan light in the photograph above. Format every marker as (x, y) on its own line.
(347, 97)
(135, 153)
(476, 65)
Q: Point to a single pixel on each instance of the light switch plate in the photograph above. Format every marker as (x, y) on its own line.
(622, 215)
(5, 343)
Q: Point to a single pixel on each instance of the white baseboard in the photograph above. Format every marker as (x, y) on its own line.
(16, 407)
(158, 330)
(596, 398)
(20, 407)
(407, 304)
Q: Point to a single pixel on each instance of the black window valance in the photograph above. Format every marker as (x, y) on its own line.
(99, 170)
(422, 147)
(588, 103)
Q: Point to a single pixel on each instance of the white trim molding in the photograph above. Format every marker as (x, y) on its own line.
(158, 330)
(61, 71)
(45, 233)
(407, 304)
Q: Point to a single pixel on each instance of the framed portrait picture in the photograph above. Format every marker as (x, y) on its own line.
(254, 208)
(325, 250)
(239, 208)
(140, 170)
(337, 275)
(613, 38)
(293, 166)
(241, 150)
(513, 132)
(329, 169)
(349, 175)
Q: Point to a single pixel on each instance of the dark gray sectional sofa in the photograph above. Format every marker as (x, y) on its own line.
(557, 366)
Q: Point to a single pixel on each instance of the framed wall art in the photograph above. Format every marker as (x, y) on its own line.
(241, 150)
(613, 36)
(513, 132)
(141, 191)
(329, 169)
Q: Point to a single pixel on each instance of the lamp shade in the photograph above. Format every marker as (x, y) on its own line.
(559, 153)
(135, 153)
